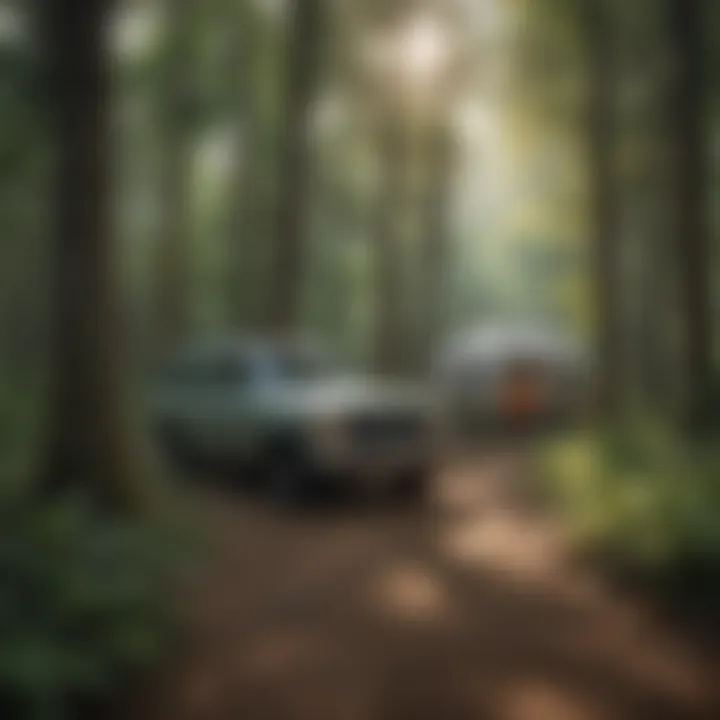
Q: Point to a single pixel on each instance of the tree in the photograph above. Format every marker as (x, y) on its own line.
(598, 37)
(692, 232)
(254, 127)
(24, 155)
(243, 195)
(434, 249)
(305, 25)
(390, 332)
(88, 443)
(178, 106)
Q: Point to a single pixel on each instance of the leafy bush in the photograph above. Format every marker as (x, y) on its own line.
(640, 493)
(82, 606)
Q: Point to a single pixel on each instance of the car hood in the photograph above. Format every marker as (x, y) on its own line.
(355, 394)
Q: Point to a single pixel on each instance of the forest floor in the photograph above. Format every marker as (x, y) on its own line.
(468, 609)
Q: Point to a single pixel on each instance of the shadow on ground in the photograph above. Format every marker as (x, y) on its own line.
(466, 609)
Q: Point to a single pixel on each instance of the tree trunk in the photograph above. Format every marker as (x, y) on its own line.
(242, 237)
(435, 247)
(390, 332)
(88, 443)
(247, 197)
(604, 204)
(172, 262)
(692, 235)
(293, 216)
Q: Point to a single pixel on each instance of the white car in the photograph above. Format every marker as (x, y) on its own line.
(292, 420)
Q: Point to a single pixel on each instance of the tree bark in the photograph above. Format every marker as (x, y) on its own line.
(692, 233)
(247, 197)
(390, 331)
(293, 215)
(171, 295)
(435, 246)
(88, 445)
(604, 204)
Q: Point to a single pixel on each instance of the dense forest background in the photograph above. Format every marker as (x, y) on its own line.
(499, 159)
(380, 174)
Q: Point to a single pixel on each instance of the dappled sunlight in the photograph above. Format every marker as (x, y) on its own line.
(423, 50)
(359, 360)
(412, 593)
(483, 523)
(499, 543)
(468, 610)
(493, 536)
(542, 700)
(410, 63)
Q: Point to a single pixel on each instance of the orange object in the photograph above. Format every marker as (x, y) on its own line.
(522, 397)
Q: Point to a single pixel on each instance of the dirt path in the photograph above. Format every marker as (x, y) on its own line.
(466, 610)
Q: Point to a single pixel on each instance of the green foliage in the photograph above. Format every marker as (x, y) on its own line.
(83, 606)
(640, 494)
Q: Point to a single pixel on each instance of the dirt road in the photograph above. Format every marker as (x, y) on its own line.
(464, 610)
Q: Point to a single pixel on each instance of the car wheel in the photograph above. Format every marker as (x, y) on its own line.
(248, 477)
(288, 482)
(414, 486)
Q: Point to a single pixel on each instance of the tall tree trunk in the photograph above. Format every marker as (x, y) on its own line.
(390, 331)
(692, 235)
(604, 203)
(172, 262)
(243, 238)
(291, 239)
(435, 246)
(88, 443)
(247, 197)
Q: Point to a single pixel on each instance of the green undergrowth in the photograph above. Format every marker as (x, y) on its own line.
(643, 500)
(86, 604)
